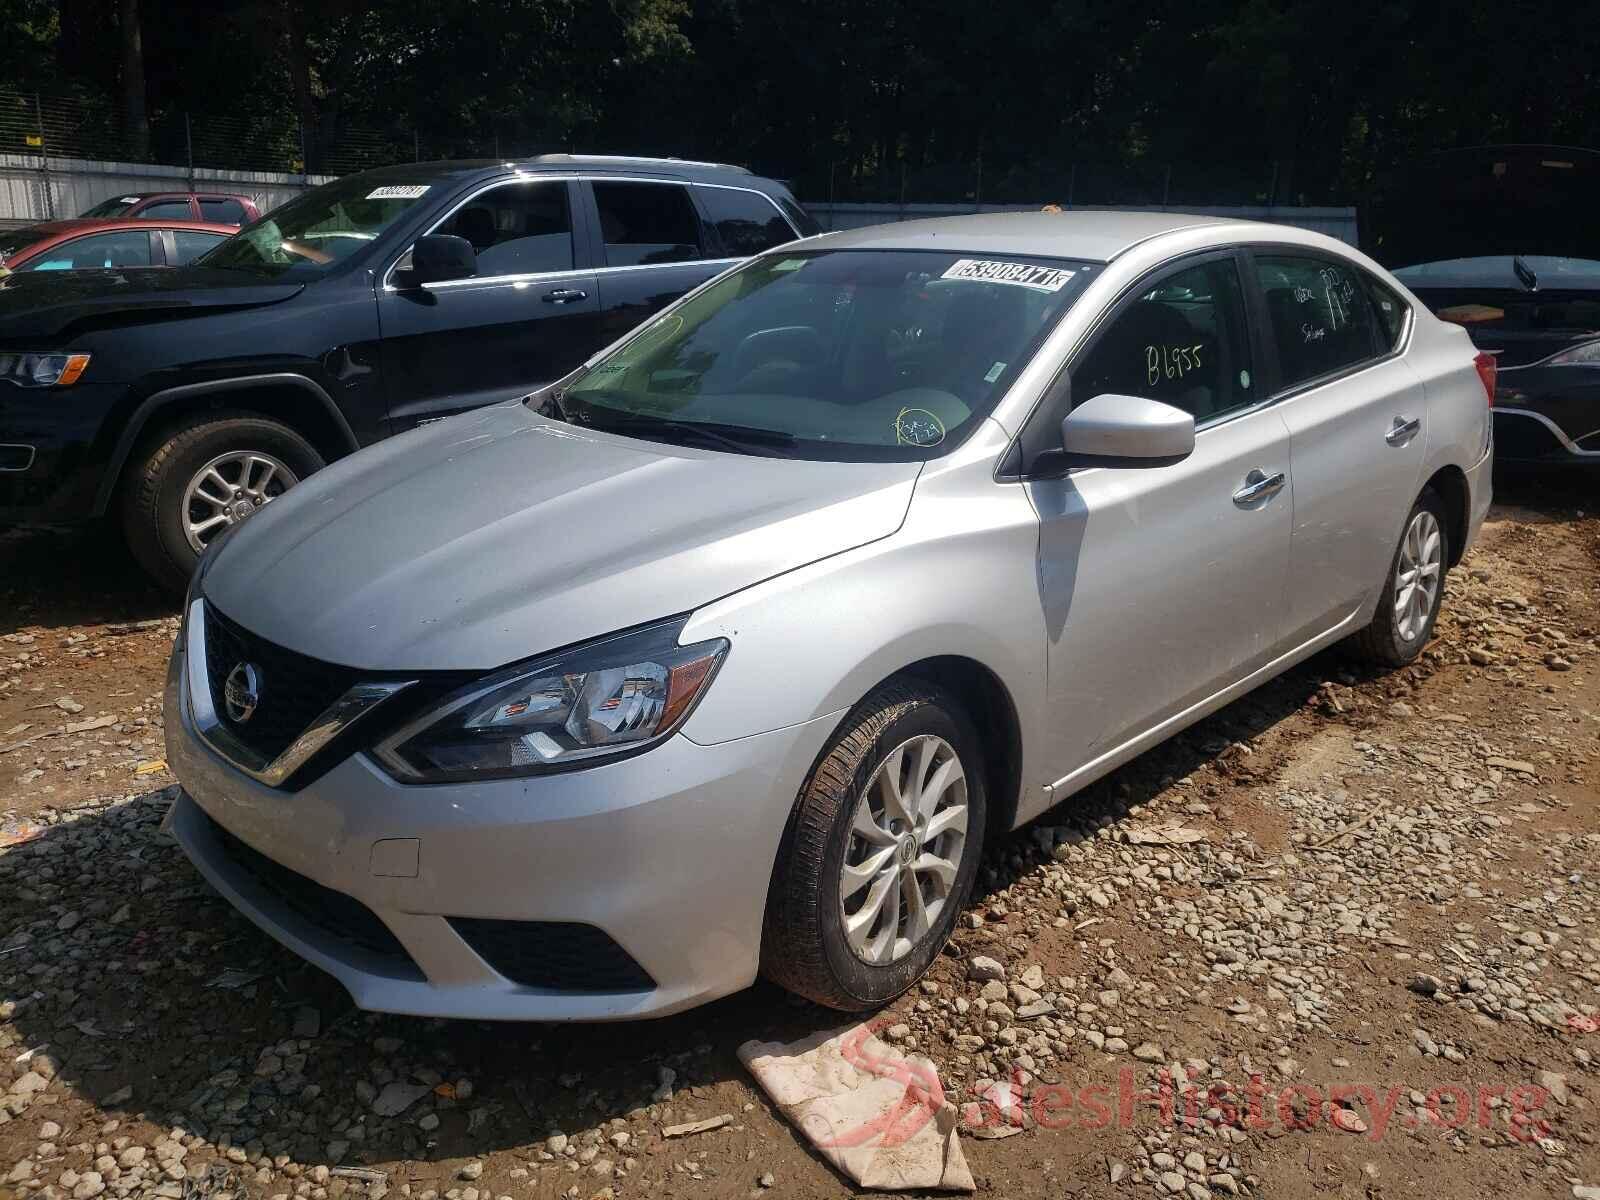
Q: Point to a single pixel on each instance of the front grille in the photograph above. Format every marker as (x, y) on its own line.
(555, 955)
(294, 689)
(341, 917)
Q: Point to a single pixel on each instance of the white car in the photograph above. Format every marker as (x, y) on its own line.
(725, 654)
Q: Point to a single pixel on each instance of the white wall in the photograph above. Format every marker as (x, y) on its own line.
(1335, 222)
(28, 194)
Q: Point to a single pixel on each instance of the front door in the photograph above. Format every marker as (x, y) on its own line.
(529, 316)
(1357, 421)
(1164, 585)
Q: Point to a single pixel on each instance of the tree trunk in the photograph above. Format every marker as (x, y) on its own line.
(135, 121)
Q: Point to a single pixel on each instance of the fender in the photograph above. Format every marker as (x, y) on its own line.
(159, 400)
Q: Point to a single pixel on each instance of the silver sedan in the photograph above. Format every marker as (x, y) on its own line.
(727, 653)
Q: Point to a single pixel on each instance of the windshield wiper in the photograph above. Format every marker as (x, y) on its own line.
(741, 439)
(1525, 273)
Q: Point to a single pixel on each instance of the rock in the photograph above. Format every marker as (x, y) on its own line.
(132, 1156)
(22, 1172)
(556, 1143)
(1555, 1083)
(1032, 977)
(397, 1097)
(1223, 1182)
(992, 991)
(1194, 1161)
(1348, 1120)
(1426, 985)
(30, 1083)
(663, 1092)
(1148, 1052)
(985, 969)
(49, 1131)
(470, 1171)
(428, 1122)
(1116, 1170)
(1172, 1181)
(1585, 1191)
(307, 1022)
(120, 1096)
(767, 1180)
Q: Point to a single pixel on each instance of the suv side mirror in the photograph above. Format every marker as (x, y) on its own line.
(440, 257)
(1126, 431)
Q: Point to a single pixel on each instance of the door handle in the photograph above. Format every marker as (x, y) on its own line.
(565, 296)
(1258, 485)
(1403, 430)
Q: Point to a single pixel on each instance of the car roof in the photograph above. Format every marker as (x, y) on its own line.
(1091, 235)
(71, 225)
(598, 164)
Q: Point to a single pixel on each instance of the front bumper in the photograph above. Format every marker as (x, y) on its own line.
(669, 853)
(53, 450)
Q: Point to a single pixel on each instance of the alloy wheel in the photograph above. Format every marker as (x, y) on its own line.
(228, 489)
(907, 838)
(1417, 575)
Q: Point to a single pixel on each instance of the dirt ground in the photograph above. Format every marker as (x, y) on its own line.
(1350, 919)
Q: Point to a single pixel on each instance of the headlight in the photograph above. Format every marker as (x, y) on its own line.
(619, 695)
(43, 370)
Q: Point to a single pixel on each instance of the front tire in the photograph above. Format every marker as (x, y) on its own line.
(192, 480)
(1409, 604)
(880, 853)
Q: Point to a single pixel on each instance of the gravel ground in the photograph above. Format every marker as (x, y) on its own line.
(1349, 922)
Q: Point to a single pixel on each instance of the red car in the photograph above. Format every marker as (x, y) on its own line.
(219, 208)
(84, 244)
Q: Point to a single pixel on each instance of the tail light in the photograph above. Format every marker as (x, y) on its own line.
(1487, 370)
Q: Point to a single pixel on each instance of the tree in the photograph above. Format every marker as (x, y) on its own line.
(135, 118)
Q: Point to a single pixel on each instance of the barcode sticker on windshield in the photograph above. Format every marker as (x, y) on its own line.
(399, 191)
(1042, 279)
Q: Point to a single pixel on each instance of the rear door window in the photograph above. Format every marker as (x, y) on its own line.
(224, 210)
(1318, 315)
(1390, 311)
(644, 224)
(516, 229)
(745, 223)
(1182, 341)
(192, 243)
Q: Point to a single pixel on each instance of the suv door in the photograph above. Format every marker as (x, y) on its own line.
(529, 316)
(651, 246)
(1162, 586)
(1356, 416)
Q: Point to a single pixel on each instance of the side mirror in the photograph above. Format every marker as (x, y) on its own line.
(440, 257)
(1126, 431)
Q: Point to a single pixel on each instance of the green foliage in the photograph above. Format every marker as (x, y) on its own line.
(930, 99)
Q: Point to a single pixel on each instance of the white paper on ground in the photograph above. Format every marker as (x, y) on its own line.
(879, 1116)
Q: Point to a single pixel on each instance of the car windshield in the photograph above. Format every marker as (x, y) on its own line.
(113, 207)
(15, 241)
(314, 232)
(891, 355)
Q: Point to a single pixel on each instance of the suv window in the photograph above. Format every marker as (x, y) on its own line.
(1320, 318)
(224, 210)
(747, 222)
(120, 248)
(166, 210)
(645, 223)
(1182, 341)
(192, 243)
(1390, 310)
(517, 229)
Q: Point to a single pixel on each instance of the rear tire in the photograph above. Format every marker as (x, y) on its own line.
(159, 510)
(918, 753)
(1414, 589)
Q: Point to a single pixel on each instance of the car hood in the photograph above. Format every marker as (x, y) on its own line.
(52, 304)
(497, 535)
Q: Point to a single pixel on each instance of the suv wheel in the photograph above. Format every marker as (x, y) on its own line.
(1412, 593)
(880, 853)
(196, 478)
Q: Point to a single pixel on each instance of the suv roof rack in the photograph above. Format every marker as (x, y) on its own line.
(626, 159)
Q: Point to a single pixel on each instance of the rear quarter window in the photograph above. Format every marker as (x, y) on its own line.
(1391, 313)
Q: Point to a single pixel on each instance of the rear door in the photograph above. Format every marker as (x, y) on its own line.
(529, 316)
(1357, 422)
(651, 247)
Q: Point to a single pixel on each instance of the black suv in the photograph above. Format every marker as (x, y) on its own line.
(183, 399)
